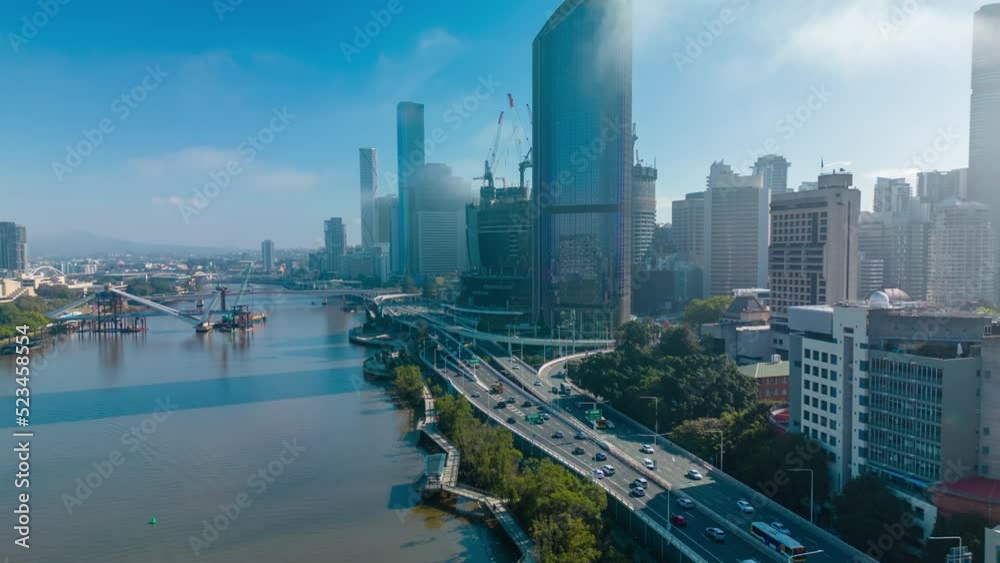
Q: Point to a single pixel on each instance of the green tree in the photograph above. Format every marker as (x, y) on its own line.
(409, 385)
(969, 526)
(636, 335)
(561, 538)
(706, 311)
(702, 387)
(678, 341)
(865, 511)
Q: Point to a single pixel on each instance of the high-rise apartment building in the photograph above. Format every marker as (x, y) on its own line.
(962, 254)
(335, 247)
(13, 249)
(582, 92)
(935, 187)
(409, 159)
(892, 195)
(736, 231)
(774, 171)
(386, 219)
(643, 210)
(894, 251)
(267, 256)
(437, 229)
(687, 219)
(368, 159)
(813, 256)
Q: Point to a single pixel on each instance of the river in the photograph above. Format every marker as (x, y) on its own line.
(268, 446)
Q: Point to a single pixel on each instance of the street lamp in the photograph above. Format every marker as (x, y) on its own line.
(722, 436)
(656, 414)
(793, 555)
(812, 474)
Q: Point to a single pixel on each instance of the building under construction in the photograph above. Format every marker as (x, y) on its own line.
(111, 315)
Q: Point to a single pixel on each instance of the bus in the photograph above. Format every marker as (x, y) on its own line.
(778, 541)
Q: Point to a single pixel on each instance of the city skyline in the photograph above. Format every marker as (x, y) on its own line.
(201, 101)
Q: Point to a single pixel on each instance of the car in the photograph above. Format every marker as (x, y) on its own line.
(650, 464)
(780, 528)
(638, 492)
(646, 449)
(476, 394)
(537, 384)
(558, 435)
(545, 416)
(581, 435)
(578, 451)
(603, 445)
(555, 390)
(511, 420)
(599, 456)
(744, 506)
(639, 483)
(678, 520)
(511, 400)
(598, 473)
(608, 470)
(715, 534)
(515, 367)
(694, 475)
(501, 405)
(526, 404)
(685, 502)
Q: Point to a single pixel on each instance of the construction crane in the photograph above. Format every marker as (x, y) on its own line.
(526, 163)
(491, 157)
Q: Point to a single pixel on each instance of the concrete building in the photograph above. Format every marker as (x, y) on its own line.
(743, 330)
(643, 211)
(386, 215)
(582, 91)
(335, 243)
(984, 129)
(736, 231)
(361, 263)
(267, 256)
(368, 159)
(813, 256)
(688, 226)
(991, 553)
(437, 229)
(894, 251)
(13, 249)
(962, 255)
(774, 170)
(892, 195)
(771, 378)
(409, 159)
(936, 187)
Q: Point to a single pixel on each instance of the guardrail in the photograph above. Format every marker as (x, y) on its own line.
(671, 539)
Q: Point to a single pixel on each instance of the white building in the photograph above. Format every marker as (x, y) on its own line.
(688, 226)
(736, 231)
(892, 195)
(774, 171)
(368, 158)
(962, 254)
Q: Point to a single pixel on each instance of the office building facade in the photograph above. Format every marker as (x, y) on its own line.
(773, 169)
(687, 218)
(437, 234)
(13, 249)
(894, 251)
(335, 243)
(936, 186)
(892, 195)
(582, 95)
(368, 160)
(409, 159)
(736, 231)
(267, 256)
(962, 255)
(984, 128)
(643, 211)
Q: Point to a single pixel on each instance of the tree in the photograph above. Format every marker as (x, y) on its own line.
(561, 538)
(969, 526)
(636, 335)
(678, 341)
(409, 385)
(866, 511)
(706, 311)
(702, 387)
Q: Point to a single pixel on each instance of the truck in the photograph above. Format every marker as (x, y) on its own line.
(496, 388)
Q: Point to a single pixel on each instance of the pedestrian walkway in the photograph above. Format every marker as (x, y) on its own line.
(510, 525)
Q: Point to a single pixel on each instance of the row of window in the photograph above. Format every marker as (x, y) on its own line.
(820, 404)
(819, 356)
(820, 372)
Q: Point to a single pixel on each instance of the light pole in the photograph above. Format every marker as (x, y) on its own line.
(812, 513)
(722, 436)
(656, 415)
(791, 556)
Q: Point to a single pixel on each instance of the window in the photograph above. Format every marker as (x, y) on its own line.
(826, 358)
(833, 375)
(985, 469)
(833, 408)
(833, 359)
(833, 440)
(986, 450)
(826, 373)
(833, 391)
(833, 424)
(863, 366)
(816, 354)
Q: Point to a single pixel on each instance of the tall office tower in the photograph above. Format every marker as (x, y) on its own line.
(984, 130)
(13, 249)
(893, 249)
(736, 231)
(386, 214)
(335, 236)
(267, 255)
(643, 210)
(774, 170)
(813, 257)
(892, 195)
(582, 92)
(687, 219)
(438, 200)
(935, 187)
(409, 159)
(962, 254)
(369, 189)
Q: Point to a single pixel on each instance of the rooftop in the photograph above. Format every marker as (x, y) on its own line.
(765, 369)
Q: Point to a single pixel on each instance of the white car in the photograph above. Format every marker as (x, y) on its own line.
(685, 502)
(650, 464)
(780, 528)
(639, 483)
(537, 384)
(694, 474)
(744, 506)
(608, 470)
(599, 474)
(646, 449)
(639, 492)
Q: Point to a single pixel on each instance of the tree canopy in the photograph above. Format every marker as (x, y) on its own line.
(409, 385)
(866, 511)
(705, 311)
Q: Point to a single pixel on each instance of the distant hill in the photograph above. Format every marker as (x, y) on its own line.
(80, 244)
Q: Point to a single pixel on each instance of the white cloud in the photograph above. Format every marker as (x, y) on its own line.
(285, 181)
(191, 160)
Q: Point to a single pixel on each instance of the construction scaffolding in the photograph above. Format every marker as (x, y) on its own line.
(111, 315)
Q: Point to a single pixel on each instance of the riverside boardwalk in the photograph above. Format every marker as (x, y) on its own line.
(449, 483)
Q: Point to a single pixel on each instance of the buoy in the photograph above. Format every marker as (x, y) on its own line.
(152, 521)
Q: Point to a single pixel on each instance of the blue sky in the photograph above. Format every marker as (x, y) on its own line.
(887, 84)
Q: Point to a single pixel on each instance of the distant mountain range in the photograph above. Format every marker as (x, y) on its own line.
(81, 244)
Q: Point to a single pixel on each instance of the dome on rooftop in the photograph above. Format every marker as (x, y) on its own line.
(879, 300)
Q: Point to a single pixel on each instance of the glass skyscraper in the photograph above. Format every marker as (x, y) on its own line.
(984, 130)
(409, 158)
(582, 188)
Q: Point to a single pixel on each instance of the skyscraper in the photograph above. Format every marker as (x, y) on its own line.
(892, 195)
(687, 217)
(582, 142)
(893, 249)
(409, 159)
(13, 249)
(386, 214)
(368, 158)
(643, 210)
(736, 231)
(935, 187)
(962, 248)
(774, 170)
(984, 129)
(335, 237)
(438, 200)
(267, 255)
